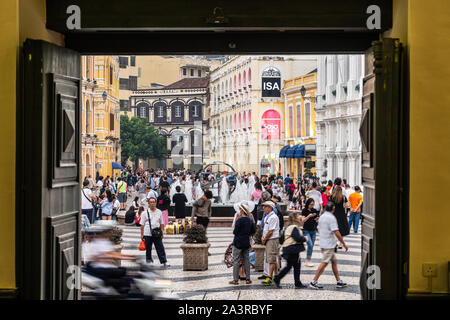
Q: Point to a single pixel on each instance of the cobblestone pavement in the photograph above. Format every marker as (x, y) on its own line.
(213, 283)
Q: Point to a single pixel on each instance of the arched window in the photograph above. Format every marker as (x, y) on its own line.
(177, 112)
(249, 76)
(142, 110)
(245, 121)
(240, 83)
(234, 123)
(234, 82)
(240, 120)
(298, 113)
(88, 160)
(245, 80)
(249, 118)
(195, 110)
(160, 109)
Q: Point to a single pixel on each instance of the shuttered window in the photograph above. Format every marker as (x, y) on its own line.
(111, 122)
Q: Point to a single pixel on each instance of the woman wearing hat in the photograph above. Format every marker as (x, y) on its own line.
(244, 228)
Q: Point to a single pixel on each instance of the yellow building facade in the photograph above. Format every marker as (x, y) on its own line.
(106, 114)
(89, 85)
(300, 121)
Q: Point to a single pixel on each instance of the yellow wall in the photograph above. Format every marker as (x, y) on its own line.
(9, 46)
(429, 42)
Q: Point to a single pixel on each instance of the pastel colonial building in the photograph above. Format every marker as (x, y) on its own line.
(300, 134)
(339, 111)
(179, 112)
(248, 112)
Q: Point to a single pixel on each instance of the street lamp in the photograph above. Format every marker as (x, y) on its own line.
(303, 93)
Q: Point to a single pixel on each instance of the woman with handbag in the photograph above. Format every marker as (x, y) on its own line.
(152, 232)
(291, 248)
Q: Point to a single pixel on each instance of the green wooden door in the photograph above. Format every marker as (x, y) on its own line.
(49, 172)
(381, 171)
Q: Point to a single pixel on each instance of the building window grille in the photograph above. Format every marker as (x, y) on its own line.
(291, 122)
(299, 120)
(307, 119)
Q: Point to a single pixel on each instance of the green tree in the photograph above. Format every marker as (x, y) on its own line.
(308, 166)
(140, 141)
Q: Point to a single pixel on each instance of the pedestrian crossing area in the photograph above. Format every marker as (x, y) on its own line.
(213, 283)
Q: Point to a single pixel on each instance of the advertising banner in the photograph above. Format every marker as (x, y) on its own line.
(271, 125)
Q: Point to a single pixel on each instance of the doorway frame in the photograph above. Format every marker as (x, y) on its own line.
(248, 43)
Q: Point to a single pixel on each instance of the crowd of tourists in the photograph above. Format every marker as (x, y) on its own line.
(330, 210)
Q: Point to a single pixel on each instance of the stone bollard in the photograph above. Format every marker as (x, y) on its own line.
(259, 257)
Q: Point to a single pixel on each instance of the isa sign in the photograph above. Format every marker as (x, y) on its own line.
(271, 87)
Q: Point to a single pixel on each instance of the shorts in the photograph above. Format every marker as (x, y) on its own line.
(122, 197)
(328, 255)
(272, 250)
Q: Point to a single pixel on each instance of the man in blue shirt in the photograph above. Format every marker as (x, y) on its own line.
(287, 180)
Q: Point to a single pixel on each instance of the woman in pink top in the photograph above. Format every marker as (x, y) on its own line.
(256, 194)
(324, 196)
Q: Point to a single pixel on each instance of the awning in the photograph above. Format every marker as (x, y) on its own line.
(283, 151)
(299, 152)
(115, 165)
(290, 152)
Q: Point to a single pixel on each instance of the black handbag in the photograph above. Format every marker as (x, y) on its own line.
(156, 232)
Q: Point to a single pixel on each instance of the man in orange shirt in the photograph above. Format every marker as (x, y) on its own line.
(356, 201)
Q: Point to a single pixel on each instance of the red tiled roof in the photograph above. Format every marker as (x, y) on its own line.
(189, 83)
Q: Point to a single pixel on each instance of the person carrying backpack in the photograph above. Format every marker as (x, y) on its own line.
(293, 244)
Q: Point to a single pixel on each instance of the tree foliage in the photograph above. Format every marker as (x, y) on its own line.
(139, 140)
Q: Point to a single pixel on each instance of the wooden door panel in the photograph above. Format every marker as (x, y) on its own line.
(380, 165)
(50, 171)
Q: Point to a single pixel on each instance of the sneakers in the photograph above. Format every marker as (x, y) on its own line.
(165, 266)
(309, 264)
(263, 277)
(268, 282)
(341, 284)
(315, 285)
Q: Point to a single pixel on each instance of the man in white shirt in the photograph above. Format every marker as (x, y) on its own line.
(329, 231)
(86, 201)
(152, 219)
(151, 193)
(316, 196)
(270, 238)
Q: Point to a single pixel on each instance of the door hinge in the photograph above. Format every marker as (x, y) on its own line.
(405, 268)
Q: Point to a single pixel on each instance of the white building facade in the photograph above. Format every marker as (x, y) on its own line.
(339, 112)
(247, 110)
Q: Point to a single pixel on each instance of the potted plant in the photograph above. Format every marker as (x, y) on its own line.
(116, 238)
(259, 249)
(195, 249)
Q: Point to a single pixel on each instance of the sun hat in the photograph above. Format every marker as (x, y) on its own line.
(244, 207)
(269, 204)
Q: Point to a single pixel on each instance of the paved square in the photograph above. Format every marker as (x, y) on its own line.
(213, 283)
